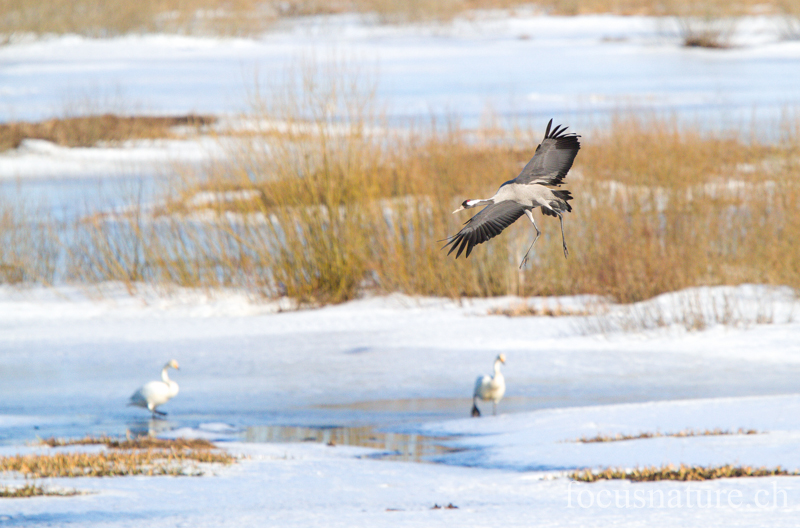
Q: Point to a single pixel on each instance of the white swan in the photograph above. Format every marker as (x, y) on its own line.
(156, 393)
(490, 387)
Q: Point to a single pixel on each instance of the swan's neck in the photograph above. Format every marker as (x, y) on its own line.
(497, 368)
(164, 375)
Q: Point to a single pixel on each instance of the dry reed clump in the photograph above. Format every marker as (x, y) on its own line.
(115, 463)
(682, 473)
(87, 131)
(790, 25)
(30, 244)
(33, 490)
(680, 434)
(140, 442)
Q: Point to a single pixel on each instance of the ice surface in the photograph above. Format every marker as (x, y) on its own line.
(69, 362)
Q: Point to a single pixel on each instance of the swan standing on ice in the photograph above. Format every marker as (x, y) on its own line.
(490, 387)
(156, 393)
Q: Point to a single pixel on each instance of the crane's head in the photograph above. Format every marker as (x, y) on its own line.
(173, 364)
(467, 204)
(501, 358)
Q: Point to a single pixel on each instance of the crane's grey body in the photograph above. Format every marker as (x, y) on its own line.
(534, 187)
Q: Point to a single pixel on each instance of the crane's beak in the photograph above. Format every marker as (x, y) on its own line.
(459, 209)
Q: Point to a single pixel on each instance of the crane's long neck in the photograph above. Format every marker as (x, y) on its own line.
(165, 376)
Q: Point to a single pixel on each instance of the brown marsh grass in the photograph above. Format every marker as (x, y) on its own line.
(140, 442)
(324, 213)
(151, 462)
(87, 131)
(321, 201)
(33, 490)
(248, 17)
(680, 434)
(150, 457)
(325, 216)
(30, 244)
(681, 473)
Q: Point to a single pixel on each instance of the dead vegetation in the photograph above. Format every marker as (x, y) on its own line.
(34, 490)
(138, 456)
(88, 131)
(680, 434)
(140, 442)
(323, 202)
(681, 473)
(251, 17)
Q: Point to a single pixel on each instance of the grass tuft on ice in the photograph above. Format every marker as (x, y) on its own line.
(680, 434)
(142, 442)
(144, 456)
(34, 490)
(681, 473)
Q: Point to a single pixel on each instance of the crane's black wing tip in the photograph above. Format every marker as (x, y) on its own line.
(460, 241)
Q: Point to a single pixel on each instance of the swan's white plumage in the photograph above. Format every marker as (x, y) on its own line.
(490, 388)
(156, 393)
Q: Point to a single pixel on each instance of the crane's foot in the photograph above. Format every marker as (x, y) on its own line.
(566, 251)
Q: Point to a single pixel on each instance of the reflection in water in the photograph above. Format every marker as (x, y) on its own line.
(392, 446)
(151, 427)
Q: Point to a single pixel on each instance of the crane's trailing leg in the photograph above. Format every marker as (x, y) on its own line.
(529, 214)
(563, 241)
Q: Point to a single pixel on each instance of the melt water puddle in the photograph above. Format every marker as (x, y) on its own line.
(391, 446)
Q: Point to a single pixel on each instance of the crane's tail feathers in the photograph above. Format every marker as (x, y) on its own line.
(560, 205)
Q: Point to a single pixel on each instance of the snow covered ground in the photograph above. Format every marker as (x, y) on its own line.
(525, 65)
(69, 362)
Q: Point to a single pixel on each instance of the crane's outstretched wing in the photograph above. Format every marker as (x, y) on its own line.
(553, 158)
(487, 224)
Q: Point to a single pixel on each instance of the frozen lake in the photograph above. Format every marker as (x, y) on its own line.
(395, 371)
(524, 68)
(69, 363)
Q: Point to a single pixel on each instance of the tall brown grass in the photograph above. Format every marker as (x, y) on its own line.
(322, 212)
(97, 18)
(30, 243)
(320, 200)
